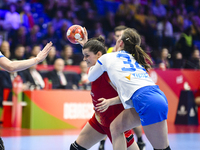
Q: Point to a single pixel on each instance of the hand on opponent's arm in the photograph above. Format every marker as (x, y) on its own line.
(105, 103)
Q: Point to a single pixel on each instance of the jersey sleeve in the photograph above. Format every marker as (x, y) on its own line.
(1, 55)
(97, 70)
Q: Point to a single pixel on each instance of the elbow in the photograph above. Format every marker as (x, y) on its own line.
(90, 79)
(10, 69)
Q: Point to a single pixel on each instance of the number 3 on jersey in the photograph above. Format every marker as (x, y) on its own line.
(132, 68)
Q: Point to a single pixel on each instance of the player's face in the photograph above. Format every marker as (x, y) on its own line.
(118, 34)
(118, 46)
(89, 57)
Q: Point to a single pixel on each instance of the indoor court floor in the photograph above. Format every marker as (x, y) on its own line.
(181, 137)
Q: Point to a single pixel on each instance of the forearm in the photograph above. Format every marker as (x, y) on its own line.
(114, 100)
(12, 66)
(95, 72)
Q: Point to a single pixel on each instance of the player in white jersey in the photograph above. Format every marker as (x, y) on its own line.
(144, 102)
(12, 66)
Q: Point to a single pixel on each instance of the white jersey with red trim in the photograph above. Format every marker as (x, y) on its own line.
(125, 73)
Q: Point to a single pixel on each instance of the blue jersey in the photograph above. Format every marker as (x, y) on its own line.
(124, 72)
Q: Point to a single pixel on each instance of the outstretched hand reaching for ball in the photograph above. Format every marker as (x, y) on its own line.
(43, 54)
(85, 38)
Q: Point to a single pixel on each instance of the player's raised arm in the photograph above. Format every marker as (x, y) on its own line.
(12, 66)
(85, 37)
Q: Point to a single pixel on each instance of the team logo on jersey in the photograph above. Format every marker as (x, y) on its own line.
(128, 77)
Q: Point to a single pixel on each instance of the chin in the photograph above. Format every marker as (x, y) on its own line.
(88, 64)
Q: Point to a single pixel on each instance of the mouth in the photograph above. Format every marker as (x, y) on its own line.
(87, 62)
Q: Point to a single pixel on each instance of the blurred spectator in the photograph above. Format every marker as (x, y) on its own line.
(159, 9)
(194, 8)
(163, 61)
(69, 57)
(178, 21)
(75, 20)
(140, 18)
(20, 5)
(151, 21)
(110, 40)
(34, 36)
(164, 33)
(126, 11)
(185, 43)
(148, 50)
(6, 80)
(98, 29)
(19, 53)
(187, 21)
(50, 7)
(162, 66)
(90, 21)
(26, 17)
(58, 20)
(195, 27)
(50, 59)
(35, 50)
(69, 15)
(33, 78)
(109, 22)
(58, 78)
(63, 38)
(50, 36)
(180, 15)
(164, 28)
(12, 18)
(84, 83)
(178, 61)
(194, 61)
(4, 5)
(170, 6)
(18, 37)
(5, 49)
(151, 27)
(82, 13)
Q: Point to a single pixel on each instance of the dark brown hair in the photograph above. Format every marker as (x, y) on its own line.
(120, 28)
(132, 43)
(95, 45)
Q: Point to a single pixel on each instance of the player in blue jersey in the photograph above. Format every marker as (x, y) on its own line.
(12, 66)
(144, 102)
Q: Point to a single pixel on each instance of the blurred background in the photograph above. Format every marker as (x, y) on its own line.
(54, 90)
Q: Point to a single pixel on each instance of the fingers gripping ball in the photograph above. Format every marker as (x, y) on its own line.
(75, 32)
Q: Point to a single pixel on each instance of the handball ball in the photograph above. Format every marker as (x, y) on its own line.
(75, 32)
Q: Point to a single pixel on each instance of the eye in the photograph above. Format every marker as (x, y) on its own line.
(86, 56)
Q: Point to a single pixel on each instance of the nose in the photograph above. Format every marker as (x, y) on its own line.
(84, 58)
